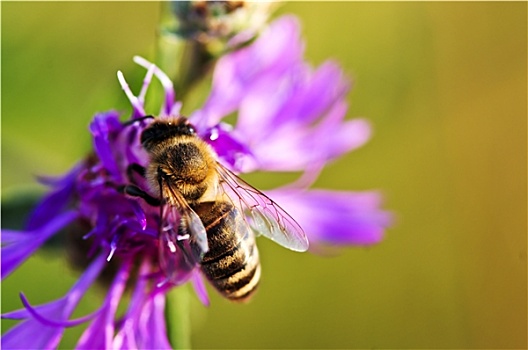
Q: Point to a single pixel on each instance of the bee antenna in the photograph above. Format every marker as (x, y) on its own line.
(165, 81)
(136, 103)
(137, 120)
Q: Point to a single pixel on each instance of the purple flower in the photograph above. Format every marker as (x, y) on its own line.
(144, 326)
(290, 118)
(42, 326)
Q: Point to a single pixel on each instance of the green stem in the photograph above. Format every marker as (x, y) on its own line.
(177, 313)
(184, 61)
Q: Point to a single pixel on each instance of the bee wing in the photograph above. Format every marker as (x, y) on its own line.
(264, 215)
(181, 226)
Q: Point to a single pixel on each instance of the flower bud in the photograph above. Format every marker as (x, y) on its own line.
(195, 33)
(219, 24)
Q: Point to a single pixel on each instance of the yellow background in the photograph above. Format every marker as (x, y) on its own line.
(444, 85)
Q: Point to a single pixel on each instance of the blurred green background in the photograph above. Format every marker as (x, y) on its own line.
(444, 85)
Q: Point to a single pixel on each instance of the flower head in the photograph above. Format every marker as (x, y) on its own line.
(219, 23)
(286, 111)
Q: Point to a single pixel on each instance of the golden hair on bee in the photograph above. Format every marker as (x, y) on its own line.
(218, 212)
(178, 157)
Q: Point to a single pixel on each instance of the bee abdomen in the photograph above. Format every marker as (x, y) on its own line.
(228, 263)
(241, 284)
(232, 263)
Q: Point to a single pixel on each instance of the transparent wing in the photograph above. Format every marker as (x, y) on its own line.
(190, 226)
(264, 215)
(180, 229)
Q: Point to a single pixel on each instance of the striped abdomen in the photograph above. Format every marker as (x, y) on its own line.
(232, 263)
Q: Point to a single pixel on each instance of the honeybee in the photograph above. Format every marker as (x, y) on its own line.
(210, 213)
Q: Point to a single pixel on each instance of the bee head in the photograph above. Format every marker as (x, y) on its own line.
(163, 129)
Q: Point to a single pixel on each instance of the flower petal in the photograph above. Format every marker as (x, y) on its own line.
(296, 121)
(226, 146)
(152, 330)
(169, 105)
(31, 333)
(100, 333)
(125, 337)
(143, 326)
(17, 246)
(103, 129)
(35, 312)
(51, 205)
(199, 287)
(336, 218)
(275, 51)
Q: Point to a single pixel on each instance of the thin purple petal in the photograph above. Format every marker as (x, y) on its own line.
(137, 104)
(43, 319)
(199, 288)
(19, 245)
(125, 337)
(325, 87)
(348, 136)
(336, 218)
(103, 128)
(152, 329)
(296, 120)
(143, 326)
(31, 333)
(274, 52)
(168, 106)
(229, 149)
(52, 204)
(100, 333)
(301, 97)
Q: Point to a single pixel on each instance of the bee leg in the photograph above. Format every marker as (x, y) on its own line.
(135, 168)
(135, 191)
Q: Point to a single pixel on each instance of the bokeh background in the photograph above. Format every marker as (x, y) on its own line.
(444, 85)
